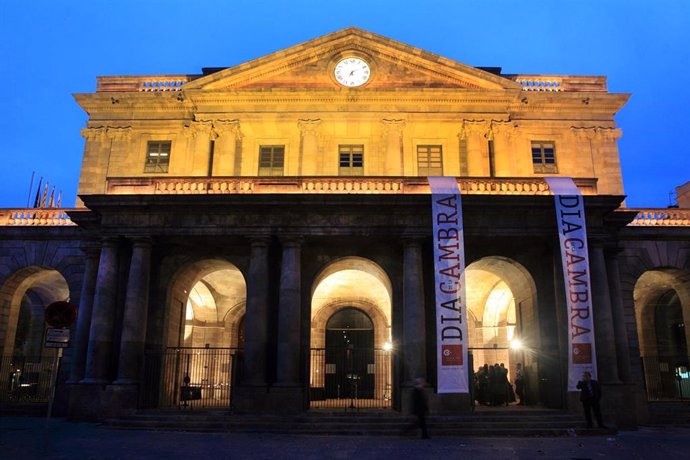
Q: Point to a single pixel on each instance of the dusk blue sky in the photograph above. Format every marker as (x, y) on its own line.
(52, 49)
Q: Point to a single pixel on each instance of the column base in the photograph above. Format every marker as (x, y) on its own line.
(441, 404)
(264, 400)
(90, 402)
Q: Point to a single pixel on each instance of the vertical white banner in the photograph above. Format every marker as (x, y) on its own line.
(449, 280)
(572, 233)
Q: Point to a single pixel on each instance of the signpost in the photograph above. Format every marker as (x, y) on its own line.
(58, 315)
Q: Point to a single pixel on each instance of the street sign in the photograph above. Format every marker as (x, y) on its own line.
(60, 314)
(57, 337)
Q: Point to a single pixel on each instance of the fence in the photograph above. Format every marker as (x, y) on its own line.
(190, 377)
(350, 378)
(25, 380)
(667, 378)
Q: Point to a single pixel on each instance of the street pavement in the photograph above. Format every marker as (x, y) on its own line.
(29, 438)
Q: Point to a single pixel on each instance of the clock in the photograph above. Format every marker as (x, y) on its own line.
(352, 72)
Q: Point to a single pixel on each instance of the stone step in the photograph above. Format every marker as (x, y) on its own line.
(548, 423)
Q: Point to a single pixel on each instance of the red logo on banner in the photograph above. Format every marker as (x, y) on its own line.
(451, 355)
(582, 353)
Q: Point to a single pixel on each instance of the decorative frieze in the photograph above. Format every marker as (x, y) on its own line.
(93, 134)
(393, 126)
(309, 126)
(597, 133)
(119, 133)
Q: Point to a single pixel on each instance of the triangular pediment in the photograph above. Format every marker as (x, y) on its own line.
(310, 65)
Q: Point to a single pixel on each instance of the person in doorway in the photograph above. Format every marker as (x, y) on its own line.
(590, 394)
(420, 405)
(520, 384)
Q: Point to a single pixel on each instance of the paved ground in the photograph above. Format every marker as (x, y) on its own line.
(29, 438)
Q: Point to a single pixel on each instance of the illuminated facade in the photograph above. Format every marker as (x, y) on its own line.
(265, 230)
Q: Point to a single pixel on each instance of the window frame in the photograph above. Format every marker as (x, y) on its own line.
(351, 151)
(157, 166)
(540, 162)
(428, 169)
(272, 169)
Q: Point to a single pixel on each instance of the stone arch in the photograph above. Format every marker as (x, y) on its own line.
(650, 286)
(352, 282)
(29, 290)
(357, 282)
(502, 306)
(381, 334)
(223, 283)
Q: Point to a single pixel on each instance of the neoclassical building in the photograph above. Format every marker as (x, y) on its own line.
(260, 237)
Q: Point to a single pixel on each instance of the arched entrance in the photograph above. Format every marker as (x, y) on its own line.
(350, 352)
(351, 341)
(205, 312)
(26, 365)
(503, 329)
(662, 307)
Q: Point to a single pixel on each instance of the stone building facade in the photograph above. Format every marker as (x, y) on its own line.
(263, 233)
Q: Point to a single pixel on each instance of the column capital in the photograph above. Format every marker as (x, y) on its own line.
(98, 133)
(393, 126)
(259, 240)
(291, 240)
(141, 241)
(412, 240)
(121, 133)
(309, 126)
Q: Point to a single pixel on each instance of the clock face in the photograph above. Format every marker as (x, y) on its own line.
(352, 71)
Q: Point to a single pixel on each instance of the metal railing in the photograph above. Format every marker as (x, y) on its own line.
(350, 378)
(190, 377)
(25, 380)
(667, 378)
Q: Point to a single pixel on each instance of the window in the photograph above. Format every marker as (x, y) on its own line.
(351, 160)
(157, 157)
(271, 160)
(544, 157)
(429, 160)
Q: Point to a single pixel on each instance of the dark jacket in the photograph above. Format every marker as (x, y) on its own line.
(589, 392)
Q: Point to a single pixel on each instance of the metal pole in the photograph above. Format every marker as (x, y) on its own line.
(53, 380)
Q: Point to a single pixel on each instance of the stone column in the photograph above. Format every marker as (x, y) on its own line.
(225, 133)
(618, 314)
(414, 326)
(256, 322)
(289, 314)
(199, 135)
(603, 319)
(81, 338)
(136, 306)
(309, 146)
(393, 158)
(99, 350)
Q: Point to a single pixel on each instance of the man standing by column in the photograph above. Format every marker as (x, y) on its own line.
(590, 394)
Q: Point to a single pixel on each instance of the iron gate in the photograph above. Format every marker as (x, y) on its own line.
(25, 379)
(352, 378)
(190, 377)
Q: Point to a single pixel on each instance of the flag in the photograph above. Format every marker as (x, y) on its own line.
(51, 202)
(59, 199)
(37, 200)
(44, 196)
